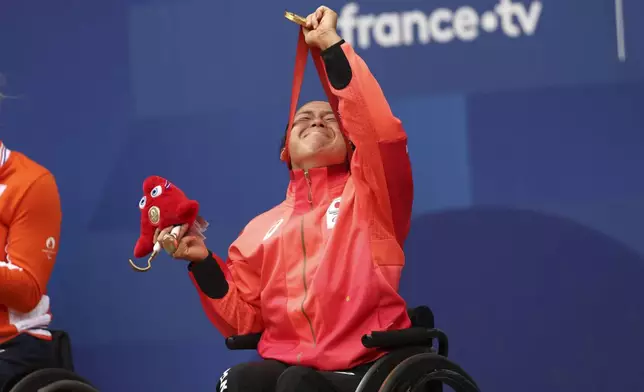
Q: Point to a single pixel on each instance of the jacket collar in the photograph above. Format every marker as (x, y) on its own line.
(310, 188)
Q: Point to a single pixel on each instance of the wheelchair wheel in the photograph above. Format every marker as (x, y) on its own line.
(458, 382)
(53, 380)
(67, 386)
(416, 373)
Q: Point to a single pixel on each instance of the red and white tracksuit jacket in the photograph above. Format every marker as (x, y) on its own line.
(321, 269)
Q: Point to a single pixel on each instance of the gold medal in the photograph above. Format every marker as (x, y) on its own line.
(295, 18)
(154, 214)
(170, 243)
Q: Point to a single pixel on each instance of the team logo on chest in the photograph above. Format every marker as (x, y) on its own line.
(273, 229)
(332, 213)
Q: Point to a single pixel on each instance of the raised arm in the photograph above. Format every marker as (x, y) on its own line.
(380, 164)
(362, 106)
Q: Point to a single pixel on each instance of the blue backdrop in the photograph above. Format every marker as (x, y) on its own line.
(526, 136)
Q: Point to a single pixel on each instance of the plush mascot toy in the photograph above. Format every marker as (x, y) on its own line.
(162, 205)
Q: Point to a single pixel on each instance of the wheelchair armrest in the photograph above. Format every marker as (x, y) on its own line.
(243, 342)
(414, 336)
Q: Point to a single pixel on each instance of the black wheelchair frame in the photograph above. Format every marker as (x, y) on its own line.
(412, 363)
(60, 378)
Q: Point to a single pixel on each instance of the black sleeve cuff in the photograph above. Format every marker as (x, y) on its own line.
(337, 65)
(209, 277)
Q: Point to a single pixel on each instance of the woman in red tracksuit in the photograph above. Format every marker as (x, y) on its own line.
(322, 268)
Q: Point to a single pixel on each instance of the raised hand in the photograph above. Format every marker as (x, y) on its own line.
(320, 30)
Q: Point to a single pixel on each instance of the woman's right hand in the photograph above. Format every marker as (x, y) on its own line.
(191, 246)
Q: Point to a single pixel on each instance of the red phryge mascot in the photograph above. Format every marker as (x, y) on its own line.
(162, 205)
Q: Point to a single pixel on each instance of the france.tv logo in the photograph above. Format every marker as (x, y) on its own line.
(441, 25)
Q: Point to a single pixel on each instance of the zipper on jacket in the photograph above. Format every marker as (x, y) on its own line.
(308, 182)
(306, 289)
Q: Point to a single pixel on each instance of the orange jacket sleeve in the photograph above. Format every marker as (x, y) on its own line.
(32, 246)
(380, 163)
(229, 294)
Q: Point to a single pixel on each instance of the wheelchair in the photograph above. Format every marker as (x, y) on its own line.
(412, 363)
(60, 378)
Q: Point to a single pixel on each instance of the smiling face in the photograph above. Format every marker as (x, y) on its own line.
(316, 139)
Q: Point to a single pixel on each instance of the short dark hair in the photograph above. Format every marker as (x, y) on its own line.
(283, 143)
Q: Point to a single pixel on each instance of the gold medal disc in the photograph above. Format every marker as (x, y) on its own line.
(170, 243)
(295, 18)
(154, 214)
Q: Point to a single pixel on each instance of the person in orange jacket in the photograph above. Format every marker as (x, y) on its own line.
(30, 219)
(322, 268)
